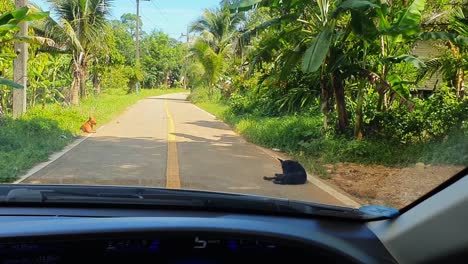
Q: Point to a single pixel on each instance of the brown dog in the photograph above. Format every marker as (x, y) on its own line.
(89, 125)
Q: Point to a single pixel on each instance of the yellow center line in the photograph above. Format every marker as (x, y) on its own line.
(172, 165)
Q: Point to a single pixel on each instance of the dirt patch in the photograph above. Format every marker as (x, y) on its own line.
(395, 187)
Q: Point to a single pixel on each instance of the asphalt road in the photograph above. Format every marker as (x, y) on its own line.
(168, 142)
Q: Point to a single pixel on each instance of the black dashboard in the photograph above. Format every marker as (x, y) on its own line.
(163, 248)
(86, 235)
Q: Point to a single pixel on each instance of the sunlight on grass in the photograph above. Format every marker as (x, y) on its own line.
(301, 136)
(217, 110)
(32, 138)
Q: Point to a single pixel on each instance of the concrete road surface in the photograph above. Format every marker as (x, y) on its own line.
(166, 141)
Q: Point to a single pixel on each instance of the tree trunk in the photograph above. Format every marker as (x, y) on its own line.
(325, 97)
(382, 90)
(96, 84)
(1, 112)
(83, 77)
(75, 88)
(460, 80)
(343, 121)
(381, 102)
(75, 91)
(359, 116)
(166, 83)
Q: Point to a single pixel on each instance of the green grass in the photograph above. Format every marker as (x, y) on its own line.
(40, 132)
(301, 137)
(216, 109)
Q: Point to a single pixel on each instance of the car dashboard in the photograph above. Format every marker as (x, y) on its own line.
(161, 248)
(109, 235)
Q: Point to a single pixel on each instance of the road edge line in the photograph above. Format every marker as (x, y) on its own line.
(53, 157)
(345, 199)
(56, 155)
(348, 201)
(210, 114)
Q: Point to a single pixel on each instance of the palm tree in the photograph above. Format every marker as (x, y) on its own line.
(218, 28)
(80, 27)
(212, 63)
(453, 63)
(217, 31)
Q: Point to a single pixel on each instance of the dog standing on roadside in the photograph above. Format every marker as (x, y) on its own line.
(88, 126)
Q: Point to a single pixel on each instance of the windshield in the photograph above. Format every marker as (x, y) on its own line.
(347, 103)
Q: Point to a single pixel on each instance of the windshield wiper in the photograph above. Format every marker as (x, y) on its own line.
(25, 195)
(168, 198)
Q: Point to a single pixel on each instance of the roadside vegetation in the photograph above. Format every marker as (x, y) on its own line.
(80, 64)
(43, 131)
(338, 81)
(327, 81)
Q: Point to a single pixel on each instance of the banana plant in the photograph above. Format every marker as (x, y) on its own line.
(9, 22)
(322, 41)
(9, 26)
(44, 85)
(79, 24)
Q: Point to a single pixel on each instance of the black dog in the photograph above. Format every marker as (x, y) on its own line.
(293, 173)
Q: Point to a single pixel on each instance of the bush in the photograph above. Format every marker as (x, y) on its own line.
(238, 103)
(202, 94)
(286, 133)
(432, 118)
(433, 130)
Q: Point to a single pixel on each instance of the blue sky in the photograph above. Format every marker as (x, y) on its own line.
(170, 16)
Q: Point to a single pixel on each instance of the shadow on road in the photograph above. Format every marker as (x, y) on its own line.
(108, 161)
(167, 99)
(210, 124)
(222, 164)
(225, 139)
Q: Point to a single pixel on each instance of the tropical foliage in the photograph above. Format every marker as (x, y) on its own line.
(353, 64)
(66, 62)
(350, 66)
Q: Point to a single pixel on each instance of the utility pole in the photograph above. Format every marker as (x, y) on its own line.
(19, 67)
(186, 55)
(137, 45)
(137, 52)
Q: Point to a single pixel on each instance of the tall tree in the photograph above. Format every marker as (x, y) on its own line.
(80, 26)
(217, 28)
(124, 41)
(162, 58)
(217, 31)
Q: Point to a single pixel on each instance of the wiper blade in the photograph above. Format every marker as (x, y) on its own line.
(22, 195)
(178, 198)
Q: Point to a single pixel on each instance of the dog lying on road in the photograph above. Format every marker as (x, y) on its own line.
(88, 126)
(293, 173)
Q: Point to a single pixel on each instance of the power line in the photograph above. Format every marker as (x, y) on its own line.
(160, 10)
(146, 17)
